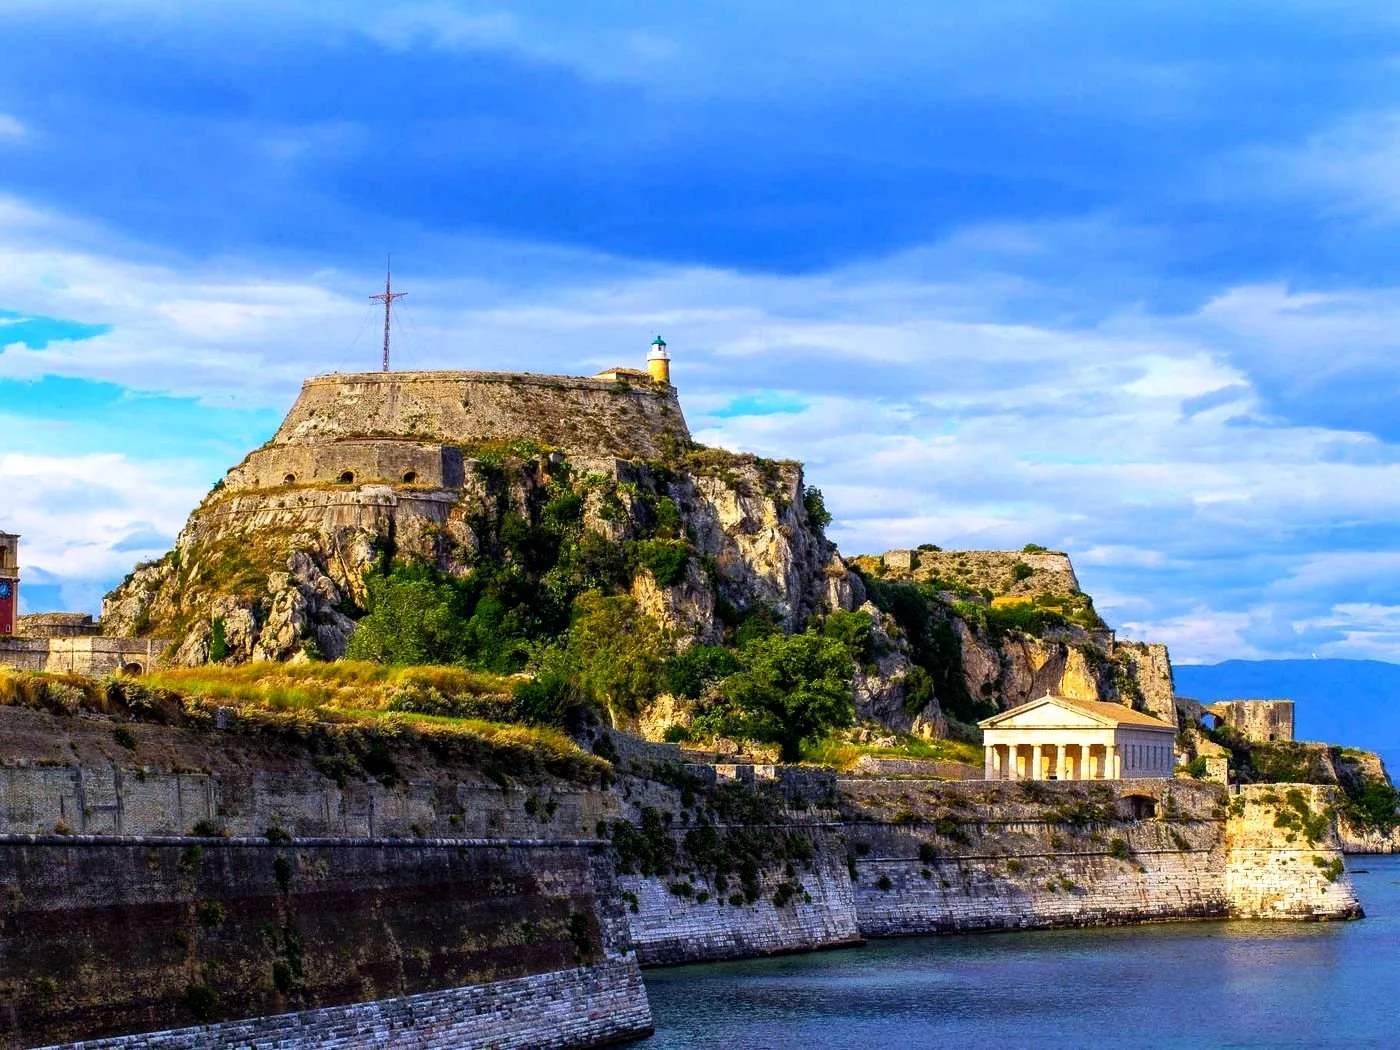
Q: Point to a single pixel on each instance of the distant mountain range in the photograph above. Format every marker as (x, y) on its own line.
(1350, 702)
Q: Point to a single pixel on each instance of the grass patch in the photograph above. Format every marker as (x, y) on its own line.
(843, 755)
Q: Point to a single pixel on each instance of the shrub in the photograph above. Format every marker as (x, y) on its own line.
(666, 560)
(854, 630)
(202, 1001)
(884, 883)
(1021, 571)
(1118, 849)
(687, 674)
(815, 505)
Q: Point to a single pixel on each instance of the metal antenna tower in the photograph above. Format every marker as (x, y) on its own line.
(388, 296)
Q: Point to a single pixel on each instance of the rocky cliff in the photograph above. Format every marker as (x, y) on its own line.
(551, 486)
(273, 564)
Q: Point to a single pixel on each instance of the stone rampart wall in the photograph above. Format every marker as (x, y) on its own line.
(1262, 721)
(587, 416)
(96, 656)
(114, 936)
(56, 625)
(566, 1010)
(671, 928)
(72, 773)
(939, 857)
(1276, 866)
(384, 461)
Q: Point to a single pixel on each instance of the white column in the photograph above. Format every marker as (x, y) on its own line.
(1037, 771)
(1011, 756)
(1112, 763)
(1086, 758)
(1061, 763)
(989, 763)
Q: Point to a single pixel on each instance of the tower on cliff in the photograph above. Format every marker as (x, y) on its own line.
(659, 361)
(9, 582)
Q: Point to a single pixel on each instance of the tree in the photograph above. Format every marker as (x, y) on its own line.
(415, 617)
(618, 653)
(791, 689)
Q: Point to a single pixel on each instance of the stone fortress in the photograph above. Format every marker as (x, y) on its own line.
(415, 428)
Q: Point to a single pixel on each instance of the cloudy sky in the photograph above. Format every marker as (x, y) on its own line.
(1117, 279)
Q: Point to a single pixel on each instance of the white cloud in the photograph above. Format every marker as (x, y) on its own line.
(11, 128)
(1142, 444)
(73, 511)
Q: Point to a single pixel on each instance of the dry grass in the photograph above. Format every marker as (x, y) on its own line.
(342, 685)
(337, 713)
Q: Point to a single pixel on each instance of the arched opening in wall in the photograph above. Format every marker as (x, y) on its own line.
(133, 668)
(1137, 807)
(289, 479)
(348, 478)
(410, 476)
(1271, 737)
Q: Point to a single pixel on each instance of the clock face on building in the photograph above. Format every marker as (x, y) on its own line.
(6, 589)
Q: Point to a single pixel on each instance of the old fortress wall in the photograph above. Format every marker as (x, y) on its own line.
(411, 427)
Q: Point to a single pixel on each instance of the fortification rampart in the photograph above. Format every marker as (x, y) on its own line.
(396, 461)
(96, 656)
(627, 419)
(998, 571)
(129, 935)
(56, 625)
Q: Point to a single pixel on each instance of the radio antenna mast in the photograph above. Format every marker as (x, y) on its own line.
(388, 296)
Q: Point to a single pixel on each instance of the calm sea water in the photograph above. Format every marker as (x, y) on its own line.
(1207, 984)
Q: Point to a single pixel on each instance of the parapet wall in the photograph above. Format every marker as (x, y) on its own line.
(586, 416)
(56, 625)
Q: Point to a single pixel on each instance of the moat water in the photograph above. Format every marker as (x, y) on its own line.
(1182, 985)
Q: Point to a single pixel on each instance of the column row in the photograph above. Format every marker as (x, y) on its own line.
(1052, 762)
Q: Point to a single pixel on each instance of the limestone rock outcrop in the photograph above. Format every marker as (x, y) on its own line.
(272, 565)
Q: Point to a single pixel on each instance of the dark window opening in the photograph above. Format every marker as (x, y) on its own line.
(347, 478)
(290, 479)
(132, 668)
(410, 476)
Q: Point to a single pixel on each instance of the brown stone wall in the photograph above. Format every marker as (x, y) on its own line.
(116, 936)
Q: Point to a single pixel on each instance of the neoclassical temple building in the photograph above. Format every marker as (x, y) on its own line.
(1057, 738)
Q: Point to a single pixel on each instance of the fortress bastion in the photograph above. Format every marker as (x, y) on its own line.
(412, 427)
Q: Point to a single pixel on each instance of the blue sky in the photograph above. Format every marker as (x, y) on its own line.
(1120, 279)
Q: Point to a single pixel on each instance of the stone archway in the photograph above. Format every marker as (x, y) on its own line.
(1137, 806)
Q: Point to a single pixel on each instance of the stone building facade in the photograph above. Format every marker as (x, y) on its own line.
(1059, 738)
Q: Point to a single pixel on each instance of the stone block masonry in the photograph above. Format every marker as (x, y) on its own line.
(669, 928)
(569, 1010)
(117, 936)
